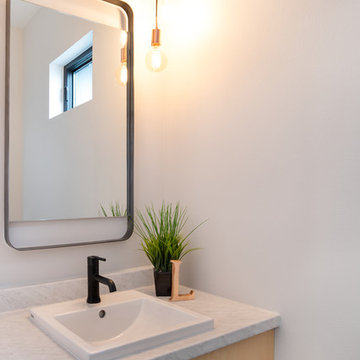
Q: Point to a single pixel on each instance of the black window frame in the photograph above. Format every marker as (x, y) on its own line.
(79, 62)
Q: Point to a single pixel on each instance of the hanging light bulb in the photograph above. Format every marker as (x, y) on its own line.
(155, 58)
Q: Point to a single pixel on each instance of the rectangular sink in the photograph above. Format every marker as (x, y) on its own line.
(124, 323)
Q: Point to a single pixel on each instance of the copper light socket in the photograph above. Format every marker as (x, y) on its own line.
(155, 38)
(123, 54)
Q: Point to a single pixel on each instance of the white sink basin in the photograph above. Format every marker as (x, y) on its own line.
(123, 323)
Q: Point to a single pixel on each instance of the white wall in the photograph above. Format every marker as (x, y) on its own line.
(21, 268)
(262, 138)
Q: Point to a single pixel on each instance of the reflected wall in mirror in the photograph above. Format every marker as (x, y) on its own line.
(69, 152)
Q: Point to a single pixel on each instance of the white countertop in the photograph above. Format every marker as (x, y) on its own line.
(20, 339)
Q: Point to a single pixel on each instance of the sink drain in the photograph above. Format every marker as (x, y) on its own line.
(102, 313)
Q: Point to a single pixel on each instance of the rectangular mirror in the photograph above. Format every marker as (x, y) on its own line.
(69, 123)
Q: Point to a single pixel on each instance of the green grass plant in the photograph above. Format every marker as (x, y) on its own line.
(161, 237)
(115, 210)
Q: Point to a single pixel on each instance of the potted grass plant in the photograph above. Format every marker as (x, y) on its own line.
(162, 240)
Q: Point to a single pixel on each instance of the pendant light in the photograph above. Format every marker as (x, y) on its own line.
(155, 58)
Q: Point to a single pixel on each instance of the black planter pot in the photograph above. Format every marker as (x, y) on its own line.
(163, 282)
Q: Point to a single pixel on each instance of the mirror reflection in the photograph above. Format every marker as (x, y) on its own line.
(67, 116)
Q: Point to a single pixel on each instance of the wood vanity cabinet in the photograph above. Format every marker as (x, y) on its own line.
(259, 347)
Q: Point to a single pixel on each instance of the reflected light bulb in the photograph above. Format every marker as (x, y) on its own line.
(123, 38)
(122, 74)
(156, 59)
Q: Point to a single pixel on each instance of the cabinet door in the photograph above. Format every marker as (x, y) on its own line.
(259, 347)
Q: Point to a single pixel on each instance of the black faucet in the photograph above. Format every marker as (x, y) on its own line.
(94, 279)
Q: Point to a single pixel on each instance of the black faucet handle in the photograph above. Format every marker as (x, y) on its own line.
(96, 258)
(93, 264)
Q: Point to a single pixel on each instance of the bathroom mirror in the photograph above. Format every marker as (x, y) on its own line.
(69, 122)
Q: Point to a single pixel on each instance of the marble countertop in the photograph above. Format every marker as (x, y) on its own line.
(233, 321)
